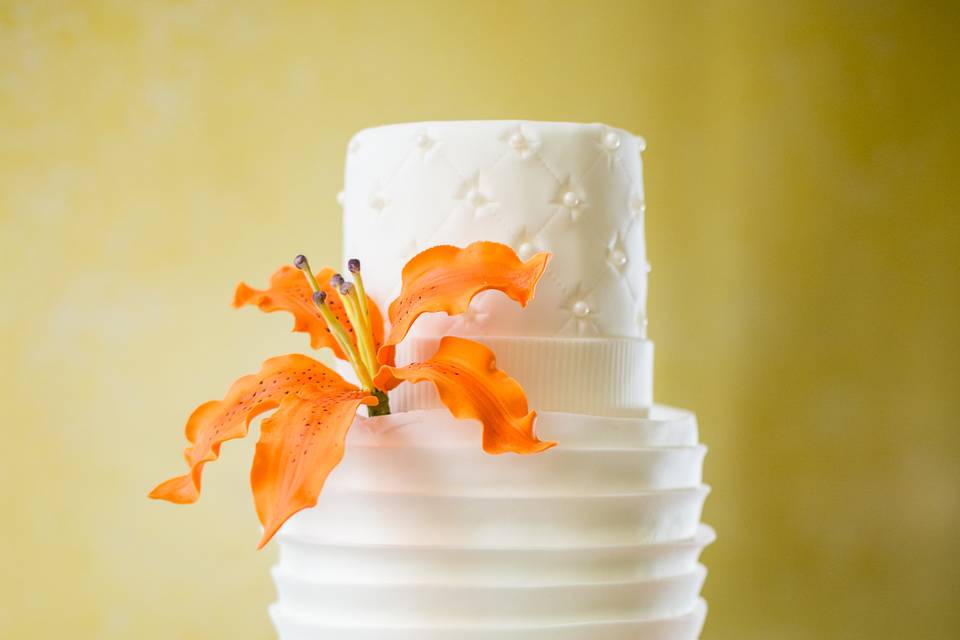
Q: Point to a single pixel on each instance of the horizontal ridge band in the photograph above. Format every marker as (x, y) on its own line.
(593, 376)
(463, 566)
(683, 627)
(495, 604)
(356, 516)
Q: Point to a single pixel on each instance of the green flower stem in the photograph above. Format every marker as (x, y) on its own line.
(382, 409)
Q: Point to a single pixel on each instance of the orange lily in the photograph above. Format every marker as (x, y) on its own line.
(304, 439)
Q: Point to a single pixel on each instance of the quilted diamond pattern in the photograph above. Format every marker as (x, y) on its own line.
(573, 189)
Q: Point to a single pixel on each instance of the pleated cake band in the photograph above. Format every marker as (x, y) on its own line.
(594, 376)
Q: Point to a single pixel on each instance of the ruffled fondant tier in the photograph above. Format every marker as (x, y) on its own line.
(496, 521)
(489, 565)
(343, 601)
(562, 472)
(663, 426)
(407, 460)
(683, 627)
(420, 532)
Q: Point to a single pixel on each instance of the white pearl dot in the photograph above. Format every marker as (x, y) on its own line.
(641, 144)
(581, 309)
(570, 199)
(526, 251)
(423, 141)
(517, 140)
(618, 258)
(340, 198)
(611, 141)
(377, 202)
(474, 197)
(638, 206)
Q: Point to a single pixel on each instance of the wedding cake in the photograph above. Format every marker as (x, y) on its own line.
(418, 533)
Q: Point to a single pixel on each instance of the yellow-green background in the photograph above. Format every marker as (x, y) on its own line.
(803, 223)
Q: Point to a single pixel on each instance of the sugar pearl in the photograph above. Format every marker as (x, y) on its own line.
(611, 141)
(618, 258)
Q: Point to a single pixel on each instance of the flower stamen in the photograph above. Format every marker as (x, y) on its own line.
(353, 265)
(343, 339)
(300, 262)
(351, 304)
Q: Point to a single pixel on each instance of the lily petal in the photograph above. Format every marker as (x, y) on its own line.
(290, 291)
(470, 385)
(446, 278)
(299, 446)
(213, 423)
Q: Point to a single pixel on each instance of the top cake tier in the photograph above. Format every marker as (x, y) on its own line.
(575, 190)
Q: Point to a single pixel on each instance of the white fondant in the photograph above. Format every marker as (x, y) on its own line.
(343, 601)
(420, 535)
(663, 427)
(685, 627)
(559, 471)
(609, 377)
(422, 564)
(516, 520)
(565, 187)
(380, 456)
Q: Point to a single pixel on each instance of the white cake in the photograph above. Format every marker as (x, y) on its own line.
(418, 534)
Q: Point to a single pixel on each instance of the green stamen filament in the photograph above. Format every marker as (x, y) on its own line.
(312, 279)
(362, 297)
(364, 339)
(343, 339)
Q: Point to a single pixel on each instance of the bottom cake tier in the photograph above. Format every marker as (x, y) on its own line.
(419, 534)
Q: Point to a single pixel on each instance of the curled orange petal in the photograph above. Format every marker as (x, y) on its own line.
(213, 423)
(290, 291)
(446, 278)
(299, 446)
(470, 385)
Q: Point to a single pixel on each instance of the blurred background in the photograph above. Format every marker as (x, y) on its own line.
(803, 224)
